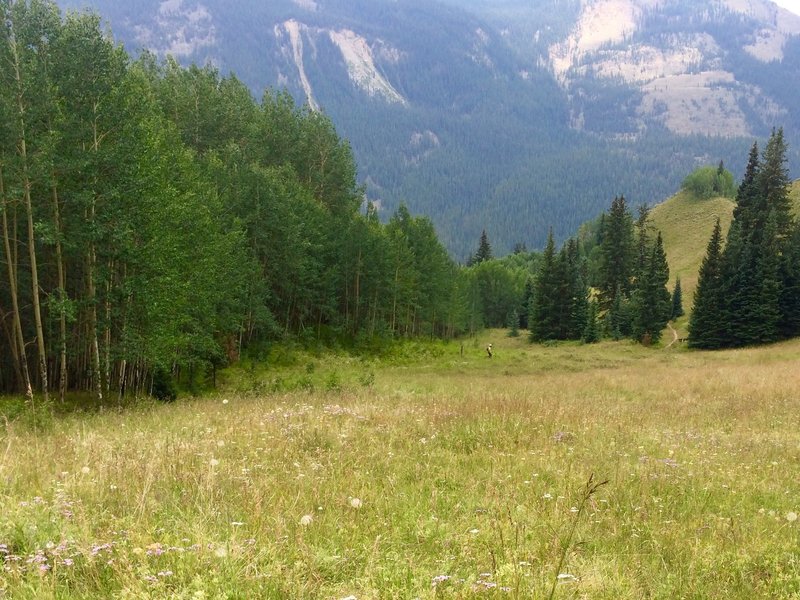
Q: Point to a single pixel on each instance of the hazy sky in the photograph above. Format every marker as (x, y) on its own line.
(792, 5)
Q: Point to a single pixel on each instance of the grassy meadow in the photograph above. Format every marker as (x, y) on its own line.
(565, 471)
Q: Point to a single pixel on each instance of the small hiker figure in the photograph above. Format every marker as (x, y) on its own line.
(489, 350)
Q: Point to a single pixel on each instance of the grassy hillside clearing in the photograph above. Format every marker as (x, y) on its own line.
(435, 474)
(686, 224)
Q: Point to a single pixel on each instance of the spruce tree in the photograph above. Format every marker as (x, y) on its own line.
(789, 325)
(618, 317)
(651, 300)
(543, 317)
(738, 291)
(484, 251)
(591, 332)
(767, 310)
(617, 253)
(747, 196)
(704, 323)
(773, 185)
(677, 300)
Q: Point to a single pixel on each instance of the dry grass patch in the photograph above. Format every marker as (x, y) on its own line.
(455, 477)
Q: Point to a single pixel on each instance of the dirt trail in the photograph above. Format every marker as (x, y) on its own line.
(674, 336)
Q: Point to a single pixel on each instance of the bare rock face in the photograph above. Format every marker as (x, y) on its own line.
(683, 85)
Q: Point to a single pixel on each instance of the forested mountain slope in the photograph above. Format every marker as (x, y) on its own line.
(503, 115)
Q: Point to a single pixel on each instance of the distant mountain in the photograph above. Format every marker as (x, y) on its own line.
(508, 115)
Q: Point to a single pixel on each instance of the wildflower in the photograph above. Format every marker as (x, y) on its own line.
(440, 579)
(221, 444)
(306, 520)
(68, 562)
(221, 552)
(213, 462)
(565, 577)
(225, 401)
(355, 503)
(165, 573)
(85, 470)
(474, 531)
(791, 517)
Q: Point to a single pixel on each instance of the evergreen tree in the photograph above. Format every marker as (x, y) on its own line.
(773, 185)
(705, 329)
(767, 310)
(618, 318)
(747, 197)
(484, 251)
(617, 252)
(591, 333)
(789, 276)
(651, 300)
(739, 290)
(677, 300)
(543, 317)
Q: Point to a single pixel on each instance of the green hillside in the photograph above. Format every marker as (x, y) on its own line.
(686, 223)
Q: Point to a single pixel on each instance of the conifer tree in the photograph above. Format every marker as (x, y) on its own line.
(747, 196)
(677, 300)
(591, 332)
(543, 320)
(651, 300)
(484, 251)
(618, 317)
(617, 252)
(704, 323)
(767, 313)
(789, 325)
(773, 185)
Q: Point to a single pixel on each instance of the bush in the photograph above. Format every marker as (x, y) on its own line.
(164, 388)
(710, 182)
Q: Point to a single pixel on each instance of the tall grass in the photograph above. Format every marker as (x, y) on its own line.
(448, 476)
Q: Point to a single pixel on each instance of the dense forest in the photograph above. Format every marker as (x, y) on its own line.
(749, 287)
(157, 221)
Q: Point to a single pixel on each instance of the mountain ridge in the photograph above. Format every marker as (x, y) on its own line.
(458, 111)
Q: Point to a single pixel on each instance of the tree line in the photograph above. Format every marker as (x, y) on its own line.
(748, 291)
(613, 284)
(157, 221)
